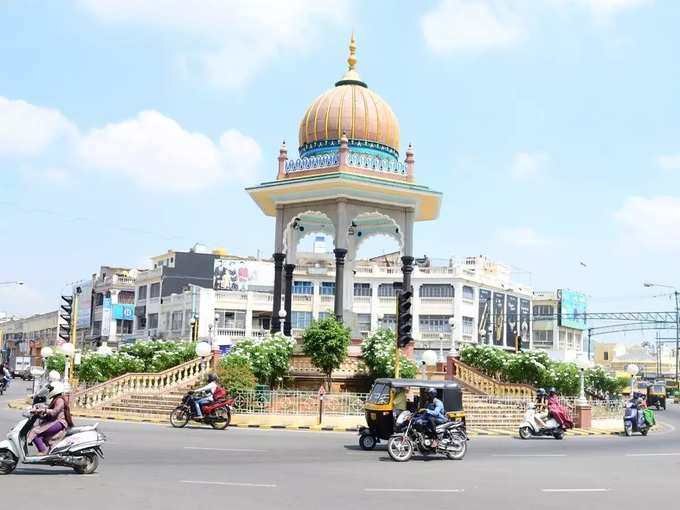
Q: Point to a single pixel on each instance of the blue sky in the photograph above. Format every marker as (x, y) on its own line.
(129, 127)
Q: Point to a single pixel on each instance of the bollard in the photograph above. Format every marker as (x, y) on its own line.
(320, 409)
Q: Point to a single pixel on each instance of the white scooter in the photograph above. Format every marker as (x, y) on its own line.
(532, 427)
(80, 449)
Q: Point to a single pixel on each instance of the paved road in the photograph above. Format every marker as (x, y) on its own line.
(152, 466)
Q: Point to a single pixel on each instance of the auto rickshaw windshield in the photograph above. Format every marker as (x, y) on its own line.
(380, 394)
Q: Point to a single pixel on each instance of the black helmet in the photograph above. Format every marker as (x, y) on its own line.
(212, 378)
(431, 392)
(552, 391)
(540, 392)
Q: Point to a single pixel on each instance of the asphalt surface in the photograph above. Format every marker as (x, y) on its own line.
(153, 466)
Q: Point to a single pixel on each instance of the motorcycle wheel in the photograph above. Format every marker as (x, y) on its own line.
(179, 417)
(222, 419)
(559, 435)
(460, 452)
(628, 428)
(91, 465)
(400, 448)
(9, 462)
(524, 432)
(367, 442)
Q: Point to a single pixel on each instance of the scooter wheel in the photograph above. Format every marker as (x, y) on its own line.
(92, 462)
(8, 462)
(524, 432)
(559, 435)
(644, 432)
(367, 442)
(628, 429)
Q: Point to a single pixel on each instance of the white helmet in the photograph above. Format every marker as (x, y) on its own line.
(57, 389)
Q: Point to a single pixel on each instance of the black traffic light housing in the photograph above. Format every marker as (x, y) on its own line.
(404, 318)
(66, 314)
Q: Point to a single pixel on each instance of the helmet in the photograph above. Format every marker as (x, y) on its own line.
(55, 388)
(212, 378)
(552, 391)
(431, 392)
(540, 392)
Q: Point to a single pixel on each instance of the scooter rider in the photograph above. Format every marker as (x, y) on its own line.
(541, 409)
(210, 387)
(6, 376)
(54, 420)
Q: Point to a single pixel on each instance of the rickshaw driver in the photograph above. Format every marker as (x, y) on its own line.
(400, 401)
(436, 414)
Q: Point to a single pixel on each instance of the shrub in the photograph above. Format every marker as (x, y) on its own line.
(235, 374)
(269, 357)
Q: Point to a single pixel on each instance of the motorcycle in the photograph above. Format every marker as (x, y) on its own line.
(451, 438)
(634, 420)
(80, 449)
(530, 427)
(216, 414)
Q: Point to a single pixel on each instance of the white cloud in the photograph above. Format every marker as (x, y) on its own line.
(670, 163)
(523, 237)
(464, 25)
(152, 150)
(27, 130)
(227, 41)
(528, 165)
(653, 222)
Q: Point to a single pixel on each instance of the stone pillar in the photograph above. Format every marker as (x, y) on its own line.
(339, 280)
(278, 270)
(410, 163)
(288, 297)
(584, 417)
(407, 269)
(344, 150)
(283, 157)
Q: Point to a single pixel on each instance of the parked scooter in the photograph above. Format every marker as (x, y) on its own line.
(531, 427)
(80, 449)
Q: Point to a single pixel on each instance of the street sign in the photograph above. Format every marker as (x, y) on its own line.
(322, 391)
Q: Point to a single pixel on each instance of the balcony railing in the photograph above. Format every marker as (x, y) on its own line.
(302, 298)
(231, 332)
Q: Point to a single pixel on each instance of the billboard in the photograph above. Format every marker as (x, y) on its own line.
(511, 327)
(124, 312)
(484, 316)
(84, 303)
(106, 317)
(572, 309)
(243, 275)
(525, 318)
(498, 317)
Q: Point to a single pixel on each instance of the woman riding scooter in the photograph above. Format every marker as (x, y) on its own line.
(54, 420)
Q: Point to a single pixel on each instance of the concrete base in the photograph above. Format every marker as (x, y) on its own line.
(584, 417)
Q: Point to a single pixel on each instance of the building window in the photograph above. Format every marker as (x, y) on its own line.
(606, 355)
(303, 288)
(96, 328)
(300, 320)
(153, 320)
(468, 293)
(543, 339)
(386, 290)
(230, 319)
(436, 290)
(324, 315)
(176, 320)
(141, 322)
(363, 321)
(155, 290)
(468, 326)
(124, 327)
(434, 324)
(362, 289)
(544, 312)
(99, 299)
(126, 297)
(141, 292)
(327, 289)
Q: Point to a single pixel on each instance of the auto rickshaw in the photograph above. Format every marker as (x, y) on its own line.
(656, 396)
(388, 397)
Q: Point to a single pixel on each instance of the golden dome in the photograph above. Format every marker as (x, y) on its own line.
(351, 109)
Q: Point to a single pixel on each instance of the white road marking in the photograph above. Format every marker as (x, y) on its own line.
(652, 454)
(532, 455)
(574, 490)
(414, 490)
(241, 450)
(230, 484)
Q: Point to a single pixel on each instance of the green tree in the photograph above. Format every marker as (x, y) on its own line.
(379, 355)
(235, 374)
(56, 362)
(326, 342)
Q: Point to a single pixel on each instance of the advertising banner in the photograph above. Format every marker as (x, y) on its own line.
(498, 317)
(243, 275)
(525, 318)
(84, 303)
(573, 307)
(123, 312)
(106, 317)
(483, 330)
(511, 326)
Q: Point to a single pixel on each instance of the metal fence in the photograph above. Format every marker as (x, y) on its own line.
(299, 403)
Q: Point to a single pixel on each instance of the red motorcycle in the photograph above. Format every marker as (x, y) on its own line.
(216, 414)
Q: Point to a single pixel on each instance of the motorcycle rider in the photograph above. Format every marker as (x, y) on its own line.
(435, 413)
(6, 376)
(54, 420)
(210, 388)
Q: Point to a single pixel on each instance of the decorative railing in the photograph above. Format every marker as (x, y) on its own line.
(126, 384)
(362, 160)
(299, 403)
(231, 332)
(487, 385)
(312, 162)
(303, 365)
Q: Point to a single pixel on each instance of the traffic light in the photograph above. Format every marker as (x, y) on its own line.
(404, 318)
(66, 315)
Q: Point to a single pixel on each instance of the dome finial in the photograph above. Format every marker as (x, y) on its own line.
(351, 76)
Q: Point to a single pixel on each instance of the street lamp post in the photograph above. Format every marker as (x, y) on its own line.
(582, 363)
(67, 349)
(633, 371)
(282, 319)
(676, 293)
(441, 348)
(452, 326)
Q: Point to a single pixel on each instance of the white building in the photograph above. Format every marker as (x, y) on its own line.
(562, 339)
